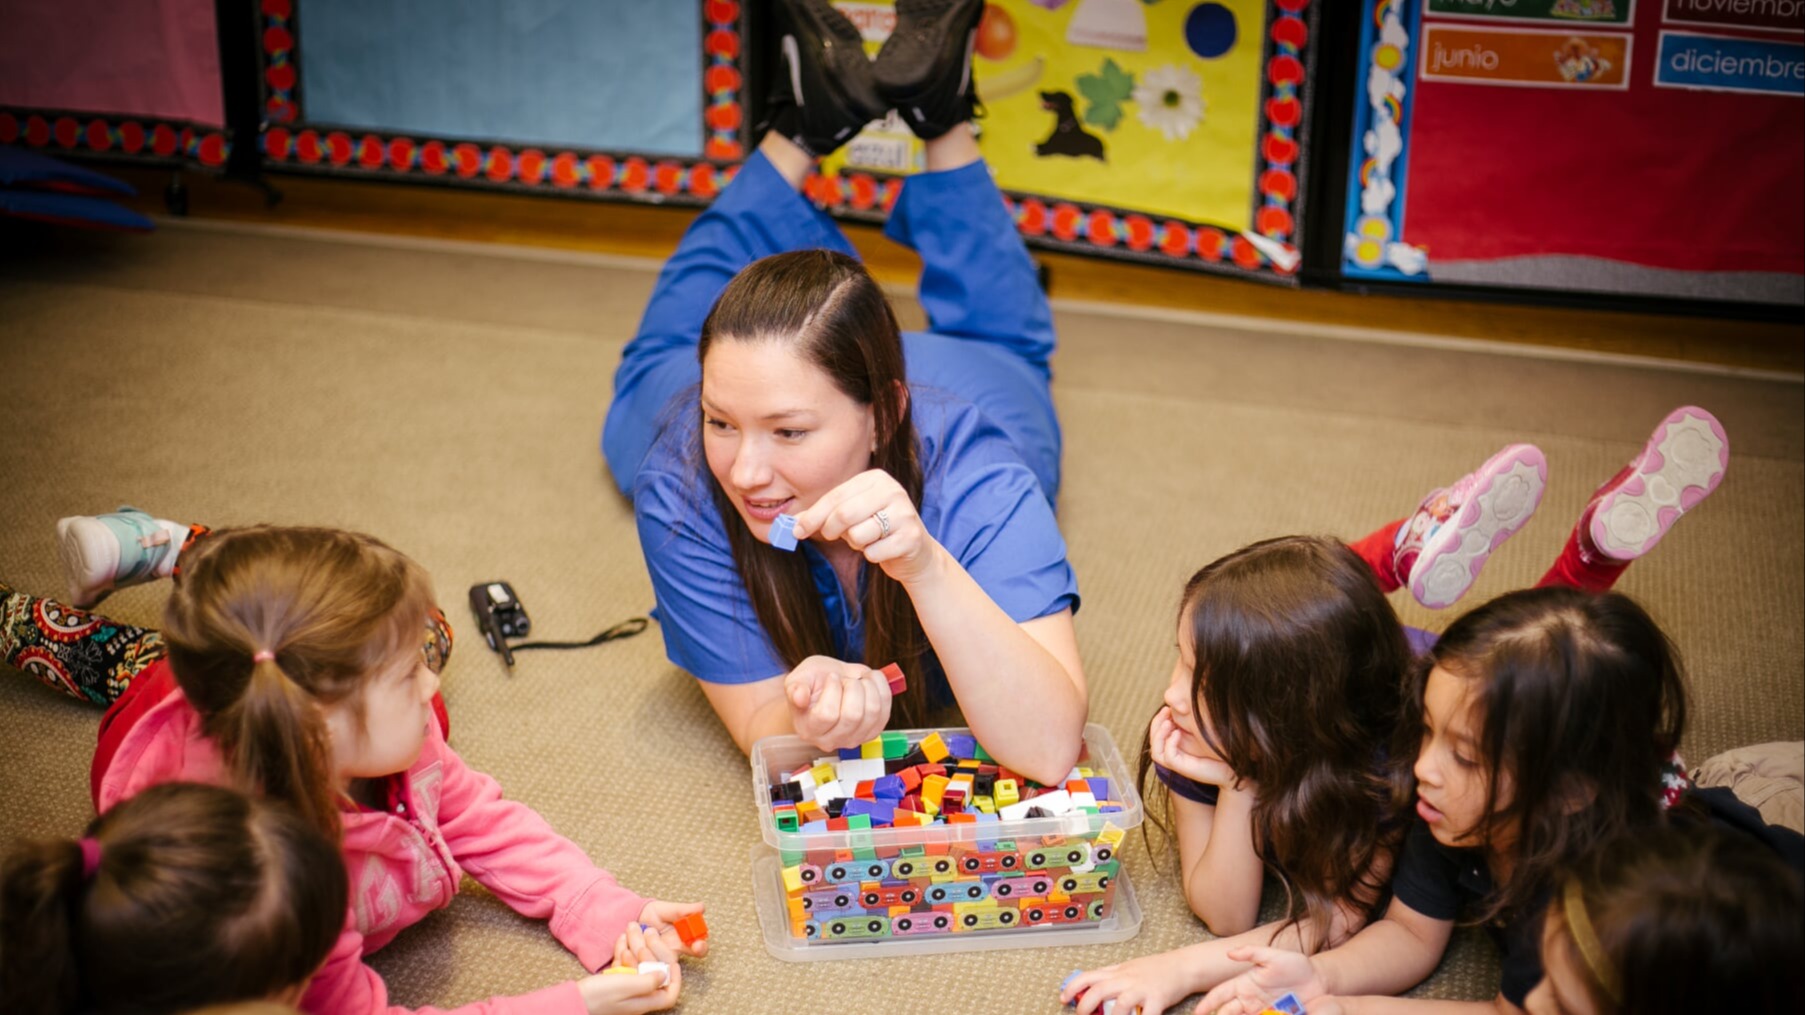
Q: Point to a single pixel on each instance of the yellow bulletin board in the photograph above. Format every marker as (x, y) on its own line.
(1165, 130)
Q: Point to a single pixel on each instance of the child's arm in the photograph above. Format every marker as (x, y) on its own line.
(346, 986)
(1156, 982)
(1389, 957)
(1220, 869)
(512, 851)
(1412, 1006)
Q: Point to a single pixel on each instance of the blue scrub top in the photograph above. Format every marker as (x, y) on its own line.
(979, 500)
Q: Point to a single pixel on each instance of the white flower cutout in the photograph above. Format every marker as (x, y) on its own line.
(1170, 100)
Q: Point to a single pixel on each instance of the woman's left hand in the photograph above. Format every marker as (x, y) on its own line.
(872, 513)
(659, 917)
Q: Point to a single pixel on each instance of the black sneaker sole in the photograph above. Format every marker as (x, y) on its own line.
(924, 69)
(835, 69)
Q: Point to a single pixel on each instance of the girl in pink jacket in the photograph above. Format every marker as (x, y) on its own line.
(291, 663)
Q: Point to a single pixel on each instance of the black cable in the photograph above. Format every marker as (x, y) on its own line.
(625, 629)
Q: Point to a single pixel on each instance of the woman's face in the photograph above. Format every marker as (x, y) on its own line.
(1178, 696)
(1563, 990)
(776, 431)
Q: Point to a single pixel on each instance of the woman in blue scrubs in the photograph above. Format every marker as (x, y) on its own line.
(768, 378)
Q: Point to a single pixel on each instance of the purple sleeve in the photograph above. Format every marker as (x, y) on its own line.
(1190, 789)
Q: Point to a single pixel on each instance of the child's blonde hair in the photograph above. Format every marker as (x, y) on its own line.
(269, 623)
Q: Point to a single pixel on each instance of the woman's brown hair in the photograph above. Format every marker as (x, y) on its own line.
(198, 895)
(1684, 920)
(1579, 702)
(828, 307)
(1299, 665)
(326, 610)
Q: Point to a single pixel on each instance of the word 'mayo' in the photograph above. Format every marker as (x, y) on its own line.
(889, 782)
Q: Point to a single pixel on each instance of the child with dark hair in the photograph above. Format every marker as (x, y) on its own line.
(185, 895)
(1672, 922)
(1294, 764)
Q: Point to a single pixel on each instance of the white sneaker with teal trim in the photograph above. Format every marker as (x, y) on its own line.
(105, 552)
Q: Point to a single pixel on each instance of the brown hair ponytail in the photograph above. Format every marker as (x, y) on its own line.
(828, 306)
(197, 895)
(266, 625)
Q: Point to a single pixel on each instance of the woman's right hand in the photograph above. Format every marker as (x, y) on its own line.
(836, 704)
(634, 993)
(1166, 744)
(1151, 983)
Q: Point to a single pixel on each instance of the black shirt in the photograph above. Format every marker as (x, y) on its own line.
(1437, 880)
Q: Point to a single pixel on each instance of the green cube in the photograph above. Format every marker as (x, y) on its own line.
(786, 821)
(896, 745)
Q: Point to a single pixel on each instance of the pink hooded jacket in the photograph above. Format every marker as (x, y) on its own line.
(443, 819)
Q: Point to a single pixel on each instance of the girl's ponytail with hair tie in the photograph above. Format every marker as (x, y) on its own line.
(90, 857)
(263, 655)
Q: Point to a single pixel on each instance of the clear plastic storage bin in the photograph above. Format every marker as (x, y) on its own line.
(1016, 883)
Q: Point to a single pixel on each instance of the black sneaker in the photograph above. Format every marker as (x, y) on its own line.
(924, 69)
(823, 92)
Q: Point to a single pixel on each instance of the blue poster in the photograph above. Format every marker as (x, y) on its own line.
(616, 75)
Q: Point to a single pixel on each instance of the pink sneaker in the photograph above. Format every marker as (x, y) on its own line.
(1444, 544)
(1681, 464)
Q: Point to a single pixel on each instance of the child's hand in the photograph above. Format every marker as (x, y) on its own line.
(1166, 744)
(1153, 982)
(836, 704)
(1275, 973)
(659, 918)
(633, 993)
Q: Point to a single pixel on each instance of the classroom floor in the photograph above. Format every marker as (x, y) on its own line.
(448, 397)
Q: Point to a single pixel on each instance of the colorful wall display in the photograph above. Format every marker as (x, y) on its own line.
(135, 81)
(1166, 130)
(1617, 146)
(607, 98)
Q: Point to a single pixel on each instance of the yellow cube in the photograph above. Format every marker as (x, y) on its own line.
(872, 749)
(1007, 792)
(792, 878)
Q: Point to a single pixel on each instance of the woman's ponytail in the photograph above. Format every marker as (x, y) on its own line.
(40, 893)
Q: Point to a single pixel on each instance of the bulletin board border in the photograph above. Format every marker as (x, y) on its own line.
(116, 137)
(289, 142)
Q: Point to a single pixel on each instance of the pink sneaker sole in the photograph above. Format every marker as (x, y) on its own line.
(1507, 490)
(1681, 464)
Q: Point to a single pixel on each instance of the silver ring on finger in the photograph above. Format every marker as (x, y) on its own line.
(883, 524)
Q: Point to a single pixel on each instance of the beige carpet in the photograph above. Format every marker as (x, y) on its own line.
(449, 399)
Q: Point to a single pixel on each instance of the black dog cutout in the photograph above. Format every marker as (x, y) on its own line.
(1069, 136)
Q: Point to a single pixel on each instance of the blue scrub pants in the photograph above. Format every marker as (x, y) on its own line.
(992, 330)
